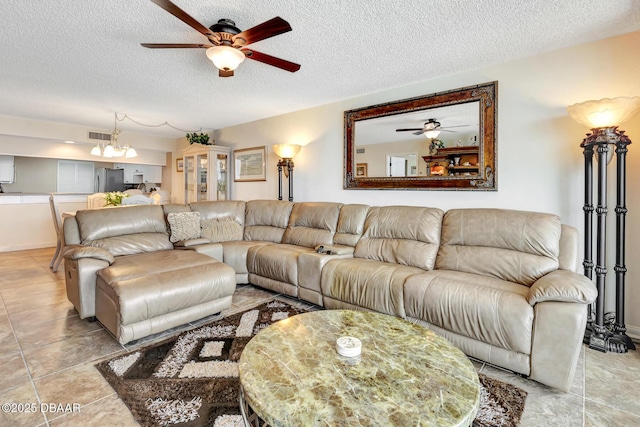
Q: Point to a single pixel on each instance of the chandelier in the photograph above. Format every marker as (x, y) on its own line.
(114, 149)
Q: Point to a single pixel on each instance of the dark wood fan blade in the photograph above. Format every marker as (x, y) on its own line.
(406, 130)
(267, 29)
(420, 132)
(174, 45)
(183, 16)
(271, 60)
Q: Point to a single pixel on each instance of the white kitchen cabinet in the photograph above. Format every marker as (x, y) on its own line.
(152, 174)
(157, 174)
(206, 173)
(136, 174)
(7, 170)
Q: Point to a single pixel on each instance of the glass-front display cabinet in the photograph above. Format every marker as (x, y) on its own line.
(206, 173)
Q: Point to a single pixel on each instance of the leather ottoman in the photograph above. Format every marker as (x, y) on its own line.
(143, 294)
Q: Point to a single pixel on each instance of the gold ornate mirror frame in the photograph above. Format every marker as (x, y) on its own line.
(438, 168)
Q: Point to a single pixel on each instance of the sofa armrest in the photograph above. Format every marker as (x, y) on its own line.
(191, 242)
(335, 249)
(76, 252)
(562, 286)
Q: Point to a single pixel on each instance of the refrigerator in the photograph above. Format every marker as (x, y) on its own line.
(109, 180)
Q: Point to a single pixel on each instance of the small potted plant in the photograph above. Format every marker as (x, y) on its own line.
(198, 138)
(434, 146)
(114, 198)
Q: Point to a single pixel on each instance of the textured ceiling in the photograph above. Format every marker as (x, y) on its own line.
(79, 62)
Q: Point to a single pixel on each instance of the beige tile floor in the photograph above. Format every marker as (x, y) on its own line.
(47, 356)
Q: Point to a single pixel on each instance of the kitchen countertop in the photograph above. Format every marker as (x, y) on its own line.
(30, 198)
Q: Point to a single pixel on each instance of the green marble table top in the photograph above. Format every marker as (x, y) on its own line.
(292, 375)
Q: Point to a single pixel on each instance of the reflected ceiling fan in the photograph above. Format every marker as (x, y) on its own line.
(227, 48)
(431, 129)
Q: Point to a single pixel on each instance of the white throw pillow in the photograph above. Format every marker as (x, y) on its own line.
(184, 225)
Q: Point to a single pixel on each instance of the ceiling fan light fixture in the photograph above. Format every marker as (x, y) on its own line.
(225, 58)
(431, 134)
(96, 151)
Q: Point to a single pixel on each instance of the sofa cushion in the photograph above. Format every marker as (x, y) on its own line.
(224, 229)
(95, 224)
(184, 225)
(405, 235)
(312, 224)
(124, 231)
(350, 224)
(132, 266)
(220, 209)
(131, 244)
(221, 221)
(515, 246)
(266, 220)
(486, 309)
(369, 284)
(275, 261)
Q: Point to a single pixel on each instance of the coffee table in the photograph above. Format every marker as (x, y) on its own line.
(406, 375)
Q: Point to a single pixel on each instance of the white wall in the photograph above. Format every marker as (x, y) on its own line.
(28, 224)
(540, 164)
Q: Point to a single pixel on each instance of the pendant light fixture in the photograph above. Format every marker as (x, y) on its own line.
(113, 149)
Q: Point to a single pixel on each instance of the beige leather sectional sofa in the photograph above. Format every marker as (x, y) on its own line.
(499, 284)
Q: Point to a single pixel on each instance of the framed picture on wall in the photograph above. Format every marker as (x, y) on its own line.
(361, 170)
(249, 164)
(180, 165)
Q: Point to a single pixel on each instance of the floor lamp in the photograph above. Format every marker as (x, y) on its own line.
(603, 117)
(286, 153)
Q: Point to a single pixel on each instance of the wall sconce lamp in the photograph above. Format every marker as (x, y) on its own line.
(603, 117)
(286, 153)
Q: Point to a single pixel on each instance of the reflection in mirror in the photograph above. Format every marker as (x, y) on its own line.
(444, 140)
(392, 145)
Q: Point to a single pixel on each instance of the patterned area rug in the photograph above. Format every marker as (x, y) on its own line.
(192, 379)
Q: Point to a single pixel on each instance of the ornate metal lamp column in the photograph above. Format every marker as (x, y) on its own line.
(280, 164)
(290, 174)
(619, 328)
(602, 117)
(587, 264)
(286, 152)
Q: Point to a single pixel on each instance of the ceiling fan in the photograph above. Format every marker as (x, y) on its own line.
(228, 43)
(431, 129)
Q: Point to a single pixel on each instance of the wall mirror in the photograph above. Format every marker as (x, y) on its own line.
(444, 141)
